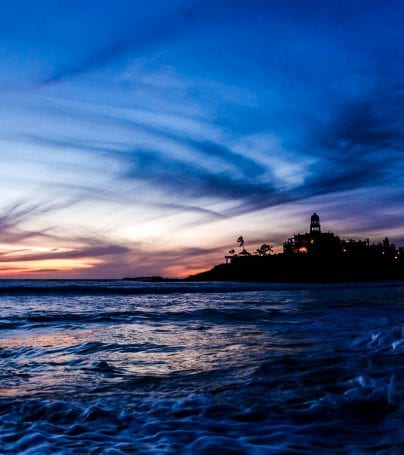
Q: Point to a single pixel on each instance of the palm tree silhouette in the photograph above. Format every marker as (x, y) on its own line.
(240, 241)
(264, 250)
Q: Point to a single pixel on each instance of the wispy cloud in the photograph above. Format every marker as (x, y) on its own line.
(183, 121)
(89, 252)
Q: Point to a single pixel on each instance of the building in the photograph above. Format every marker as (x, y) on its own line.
(313, 242)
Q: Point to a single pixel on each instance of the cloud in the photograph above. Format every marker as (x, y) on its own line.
(194, 180)
(362, 143)
(45, 271)
(21, 211)
(357, 143)
(137, 150)
(15, 218)
(78, 253)
(134, 38)
(367, 124)
(142, 262)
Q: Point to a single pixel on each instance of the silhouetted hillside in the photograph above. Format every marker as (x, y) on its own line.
(282, 267)
(313, 256)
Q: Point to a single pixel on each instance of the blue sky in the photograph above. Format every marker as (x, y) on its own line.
(144, 137)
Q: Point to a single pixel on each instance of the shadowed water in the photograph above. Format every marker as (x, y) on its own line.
(118, 367)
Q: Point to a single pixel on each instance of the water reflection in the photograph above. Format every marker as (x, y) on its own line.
(265, 371)
(53, 357)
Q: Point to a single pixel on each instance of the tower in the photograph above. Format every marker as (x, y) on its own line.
(315, 223)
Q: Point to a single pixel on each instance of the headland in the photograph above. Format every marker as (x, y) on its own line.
(315, 256)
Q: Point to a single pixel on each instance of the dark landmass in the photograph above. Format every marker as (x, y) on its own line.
(312, 257)
(304, 268)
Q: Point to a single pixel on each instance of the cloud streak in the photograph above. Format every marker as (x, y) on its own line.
(185, 121)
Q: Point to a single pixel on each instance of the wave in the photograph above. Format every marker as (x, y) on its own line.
(292, 416)
(119, 287)
(108, 290)
(299, 372)
(205, 315)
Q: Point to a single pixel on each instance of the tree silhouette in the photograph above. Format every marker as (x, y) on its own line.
(264, 250)
(240, 241)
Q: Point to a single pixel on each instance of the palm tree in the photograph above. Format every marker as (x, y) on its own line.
(265, 249)
(240, 241)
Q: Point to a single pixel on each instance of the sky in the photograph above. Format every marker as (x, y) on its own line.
(143, 138)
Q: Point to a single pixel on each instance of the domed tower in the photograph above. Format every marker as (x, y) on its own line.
(315, 223)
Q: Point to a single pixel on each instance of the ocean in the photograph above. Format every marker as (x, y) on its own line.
(120, 367)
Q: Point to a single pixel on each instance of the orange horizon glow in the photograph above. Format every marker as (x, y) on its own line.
(179, 255)
(22, 263)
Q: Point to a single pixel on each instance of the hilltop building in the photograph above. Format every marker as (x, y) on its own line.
(315, 256)
(314, 241)
(318, 244)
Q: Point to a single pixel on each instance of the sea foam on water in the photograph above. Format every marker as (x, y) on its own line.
(201, 368)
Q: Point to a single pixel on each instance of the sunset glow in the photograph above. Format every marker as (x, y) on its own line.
(141, 139)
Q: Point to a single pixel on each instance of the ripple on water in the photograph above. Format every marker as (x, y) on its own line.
(254, 371)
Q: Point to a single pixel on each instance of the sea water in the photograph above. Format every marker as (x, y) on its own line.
(125, 367)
